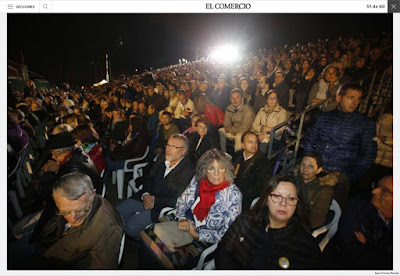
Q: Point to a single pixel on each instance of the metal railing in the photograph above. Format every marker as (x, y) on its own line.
(378, 97)
(289, 160)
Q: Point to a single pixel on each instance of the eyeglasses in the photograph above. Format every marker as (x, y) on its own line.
(77, 213)
(290, 200)
(212, 170)
(175, 147)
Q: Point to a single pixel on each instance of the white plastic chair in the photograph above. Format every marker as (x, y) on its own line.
(210, 265)
(121, 249)
(254, 202)
(119, 175)
(137, 172)
(166, 211)
(331, 227)
(103, 192)
(200, 264)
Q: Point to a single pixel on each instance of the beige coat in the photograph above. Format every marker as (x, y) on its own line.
(270, 118)
(239, 121)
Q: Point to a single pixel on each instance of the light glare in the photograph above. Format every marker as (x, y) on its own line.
(226, 53)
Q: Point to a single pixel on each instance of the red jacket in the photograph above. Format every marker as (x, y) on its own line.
(97, 156)
(214, 114)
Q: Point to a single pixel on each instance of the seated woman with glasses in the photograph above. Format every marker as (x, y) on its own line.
(272, 234)
(269, 116)
(210, 204)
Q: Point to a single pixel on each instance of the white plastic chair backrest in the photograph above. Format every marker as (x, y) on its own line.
(254, 202)
(103, 193)
(204, 255)
(166, 211)
(330, 227)
(135, 160)
(121, 249)
(137, 172)
(210, 265)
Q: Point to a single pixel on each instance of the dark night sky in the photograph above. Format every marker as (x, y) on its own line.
(62, 46)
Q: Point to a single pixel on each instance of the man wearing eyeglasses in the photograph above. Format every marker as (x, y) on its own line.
(167, 180)
(85, 234)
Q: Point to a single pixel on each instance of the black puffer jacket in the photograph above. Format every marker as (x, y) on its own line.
(250, 247)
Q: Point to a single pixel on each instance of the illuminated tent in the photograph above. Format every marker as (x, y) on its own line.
(100, 83)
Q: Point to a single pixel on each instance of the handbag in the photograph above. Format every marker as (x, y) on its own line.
(169, 233)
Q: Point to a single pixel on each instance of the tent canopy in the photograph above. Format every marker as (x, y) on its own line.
(100, 83)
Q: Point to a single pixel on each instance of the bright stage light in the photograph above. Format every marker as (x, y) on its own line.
(226, 53)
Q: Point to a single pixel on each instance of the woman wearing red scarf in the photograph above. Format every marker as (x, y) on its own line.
(211, 202)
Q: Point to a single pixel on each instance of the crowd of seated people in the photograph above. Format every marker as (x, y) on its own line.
(207, 126)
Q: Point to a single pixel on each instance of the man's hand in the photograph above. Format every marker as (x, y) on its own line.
(148, 202)
(262, 136)
(184, 225)
(51, 166)
(227, 128)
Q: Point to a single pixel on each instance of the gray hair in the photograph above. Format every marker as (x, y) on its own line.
(183, 139)
(74, 185)
(207, 158)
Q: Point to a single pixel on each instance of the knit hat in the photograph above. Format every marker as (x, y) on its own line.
(61, 140)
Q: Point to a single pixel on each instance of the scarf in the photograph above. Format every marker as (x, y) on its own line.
(207, 193)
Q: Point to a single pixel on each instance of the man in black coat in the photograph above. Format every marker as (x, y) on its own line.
(252, 169)
(365, 234)
(282, 89)
(67, 158)
(168, 179)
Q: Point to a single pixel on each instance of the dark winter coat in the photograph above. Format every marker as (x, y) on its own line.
(209, 141)
(166, 189)
(245, 246)
(93, 245)
(251, 175)
(345, 141)
(377, 254)
(283, 94)
(134, 146)
(319, 197)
